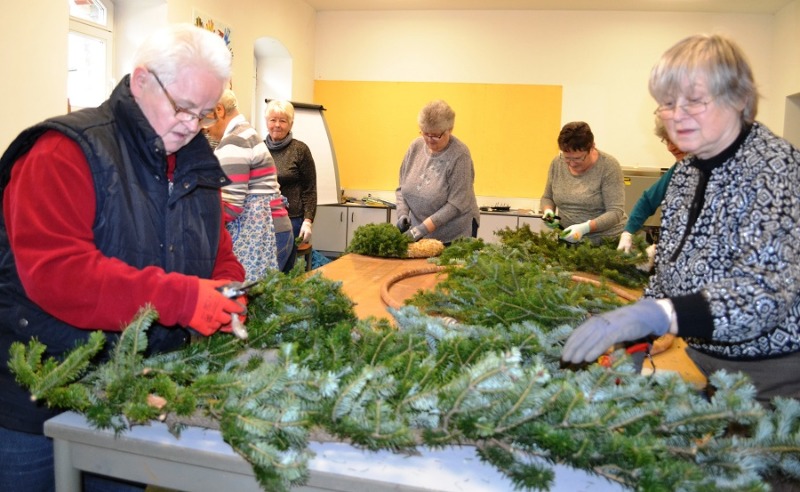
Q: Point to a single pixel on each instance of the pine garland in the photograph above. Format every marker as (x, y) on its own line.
(492, 379)
(380, 239)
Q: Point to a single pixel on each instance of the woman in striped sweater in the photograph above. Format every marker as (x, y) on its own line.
(254, 209)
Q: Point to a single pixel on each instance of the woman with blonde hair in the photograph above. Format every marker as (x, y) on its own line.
(297, 173)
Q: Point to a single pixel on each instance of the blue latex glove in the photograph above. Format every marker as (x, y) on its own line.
(575, 233)
(403, 223)
(601, 332)
(550, 220)
(417, 233)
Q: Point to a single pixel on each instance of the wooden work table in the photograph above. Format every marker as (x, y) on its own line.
(363, 276)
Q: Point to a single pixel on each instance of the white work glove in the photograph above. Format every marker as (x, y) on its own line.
(602, 331)
(575, 233)
(651, 259)
(305, 231)
(550, 220)
(625, 242)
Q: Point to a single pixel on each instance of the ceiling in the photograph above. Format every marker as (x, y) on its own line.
(728, 6)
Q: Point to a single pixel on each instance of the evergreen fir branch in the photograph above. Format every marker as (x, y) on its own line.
(132, 341)
(25, 360)
(43, 377)
(492, 379)
(383, 240)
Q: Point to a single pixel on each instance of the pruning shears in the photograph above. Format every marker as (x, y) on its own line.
(236, 289)
(555, 219)
(232, 291)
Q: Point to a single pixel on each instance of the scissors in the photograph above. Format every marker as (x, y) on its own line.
(232, 291)
(555, 219)
(236, 289)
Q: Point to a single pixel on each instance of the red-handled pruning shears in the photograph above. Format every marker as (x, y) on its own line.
(232, 291)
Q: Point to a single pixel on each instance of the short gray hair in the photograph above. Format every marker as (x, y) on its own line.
(171, 49)
(436, 116)
(228, 100)
(717, 59)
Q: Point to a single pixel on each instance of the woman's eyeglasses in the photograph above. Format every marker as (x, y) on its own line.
(667, 111)
(431, 136)
(575, 159)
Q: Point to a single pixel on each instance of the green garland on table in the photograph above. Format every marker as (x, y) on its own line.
(380, 239)
(602, 259)
(493, 380)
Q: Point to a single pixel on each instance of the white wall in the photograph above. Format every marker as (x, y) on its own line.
(602, 59)
(786, 69)
(289, 21)
(34, 61)
(34, 54)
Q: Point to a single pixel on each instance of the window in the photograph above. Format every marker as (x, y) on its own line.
(89, 50)
(89, 10)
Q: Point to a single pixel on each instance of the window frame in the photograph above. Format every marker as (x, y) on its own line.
(104, 33)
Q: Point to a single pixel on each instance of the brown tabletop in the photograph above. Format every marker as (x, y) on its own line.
(363, 277)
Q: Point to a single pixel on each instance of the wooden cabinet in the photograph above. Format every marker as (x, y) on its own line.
(334, 225)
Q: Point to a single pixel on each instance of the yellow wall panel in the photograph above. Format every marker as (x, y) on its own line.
(511, 130)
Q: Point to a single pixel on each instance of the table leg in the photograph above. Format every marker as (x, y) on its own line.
(68, 478)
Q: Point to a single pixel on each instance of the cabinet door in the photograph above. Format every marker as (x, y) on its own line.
(535, 223)
(358, 216)
(330, 228)
(495, 222)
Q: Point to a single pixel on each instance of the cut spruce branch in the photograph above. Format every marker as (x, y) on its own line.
(492, 379)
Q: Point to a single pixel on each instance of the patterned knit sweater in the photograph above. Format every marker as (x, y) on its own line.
(729, 249)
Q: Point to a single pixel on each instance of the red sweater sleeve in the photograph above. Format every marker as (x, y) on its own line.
(49, 208)
(227, 265)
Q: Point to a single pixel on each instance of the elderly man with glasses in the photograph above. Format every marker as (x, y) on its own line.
(107, 210)
(585, 186)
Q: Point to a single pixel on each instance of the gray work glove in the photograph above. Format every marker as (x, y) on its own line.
(417, 233)
(601, 332)
(403, 223)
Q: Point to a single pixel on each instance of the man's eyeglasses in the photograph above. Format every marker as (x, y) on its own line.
(184, 114)
(667, 111)
(431, 136)
(575, 159)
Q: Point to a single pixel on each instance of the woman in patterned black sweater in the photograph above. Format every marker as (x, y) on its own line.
(728, 260)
